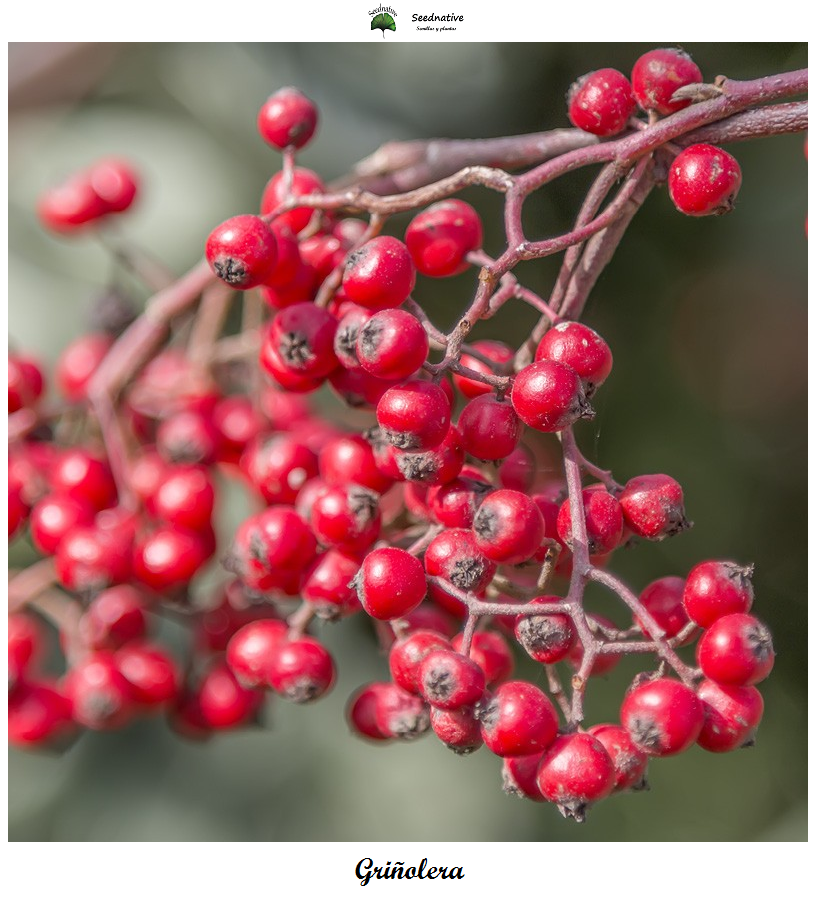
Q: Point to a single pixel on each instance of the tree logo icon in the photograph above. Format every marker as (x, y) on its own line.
(383, 18)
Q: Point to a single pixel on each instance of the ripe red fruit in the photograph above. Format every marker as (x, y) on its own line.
(115, 183)
(187, 436)
(71, 205)
(440, 237)
(732, 715)
(546, 638)
(25, 645)
(150, 672)
(439, 465)
(575, 772)
(83, 477)
(53, 516)
(407, 654)
(347, 516)
(601, 102)
(455, 557)
(605, 662)
(500, 354)
(25, 382)
(454, 504)
(278, 467)
(414, 415)
(662, 716)
(361, 712)
(490, 428)
(390, 583)
(350, 460)
(585, 351)
(663, 598)
(101, 698)
(703, 180)
(450, 680)
(630, 763)
(508, 527)
(658, 74)
(327, 586)
(490, 651)
(380, 274)
(243, 251)
(520, 777)
(115, 616)
(604, 521)
(223, 702)
(287, 119)
(519, 719)
(548, 396)
(717, 588)
(737, 650)
(302, 337)
(459, 730)
(38, 714)
(304, 182)
(250, 650)
(653, 506)
(271, 544)
(78, 362)
(166, 559)
(89, 558)
(301, 670)
(185, 497)
(398, 714)
(392, 345)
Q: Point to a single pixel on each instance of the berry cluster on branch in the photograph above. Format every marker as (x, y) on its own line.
(450, 522)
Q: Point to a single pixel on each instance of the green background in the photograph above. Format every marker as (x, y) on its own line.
(707, 322)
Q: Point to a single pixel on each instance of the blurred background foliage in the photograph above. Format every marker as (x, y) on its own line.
(707, 321)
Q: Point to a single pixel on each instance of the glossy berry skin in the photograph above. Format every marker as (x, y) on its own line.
(398, 714)
(380, 274)
(278, 467)
(351, 460)
(440, 237)
(454, 504)
(414, 415)
(347, 516)
(349, 324)
(407, 653)
(150, 672)
(25, 645)
(304, 182)
(508, 527)
(166, 559)
(392, 345)
(459, 730)
(301, 670)
(250, 650)
(242, 251)
(361, 712)
(78, 362)
(737, 650)
(581, 348)
(454, 556)
(288, 119)
(101, 698)
(223, 702)
(328, 585)
(38, 714)
(732, 715)
(449, 680)
(114, 617)
(71, 205)
(604, 521)
(490, 428)
(716, 588)
(520, 777)
(630, 763)
(663, 598)
(185, 497)
(89, 559)
(499, 353)
(518, 720)
(302, 337)
(187, 436)
(653, 506)
(84, 477)
(662, 717)
(490, 651)
(703, 180)
(658, 74)
(439, 465)
(390, 583)
(575, 772)
(115, 183)
(53, 516)
(235, 423)
(25, 382)
(601, 102)
(276, 541)
(546, 638)
(549, 396)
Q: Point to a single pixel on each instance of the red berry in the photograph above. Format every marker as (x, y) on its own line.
(546, 638)
(414, 415)
(601, 102)
(737, 650)
(508, 527)
(302, 337)
(166, 559)
(25, 645)
(84, 477)
(115, 183)
(392, 345)
(187, 436)
(250, 650)
(348, 330)
(328, 585)
(235, 422)
(450, 680)
(71, 205)
(357, 388)
(350, 460)
(662, 716)
(658, 74)
(732, 715)
(630, 763)
(361, 712)
(25, 382)
(575, 772)
(653, 506)
(279, 467)
(53, 516)
(586, 352)
(101, 698)
(287, 119)
(407, 654)
(347, 516)
(455, 557)
(89, 559)
(150, 672)
(520, 777)
(604, 521)
(663, 598)
(398, 714)
(185, 497)
(301, 670)
(518, 720)
(440, 237)
(78, 363)
(304, 182)
(439, 465)
(549, 396)
(703, 180)
(459, 730)
(490, 651)
(455, 503)
(115, 616)
(380, 274)
(715, 589)
(490, 428)
(500, 354)
(518, 471)
(37, 713)
(242, 251)
(223, 702)
(270, 544)
(391, 583)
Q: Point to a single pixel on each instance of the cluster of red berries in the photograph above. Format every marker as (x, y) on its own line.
(703, 179)
(423, 521)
